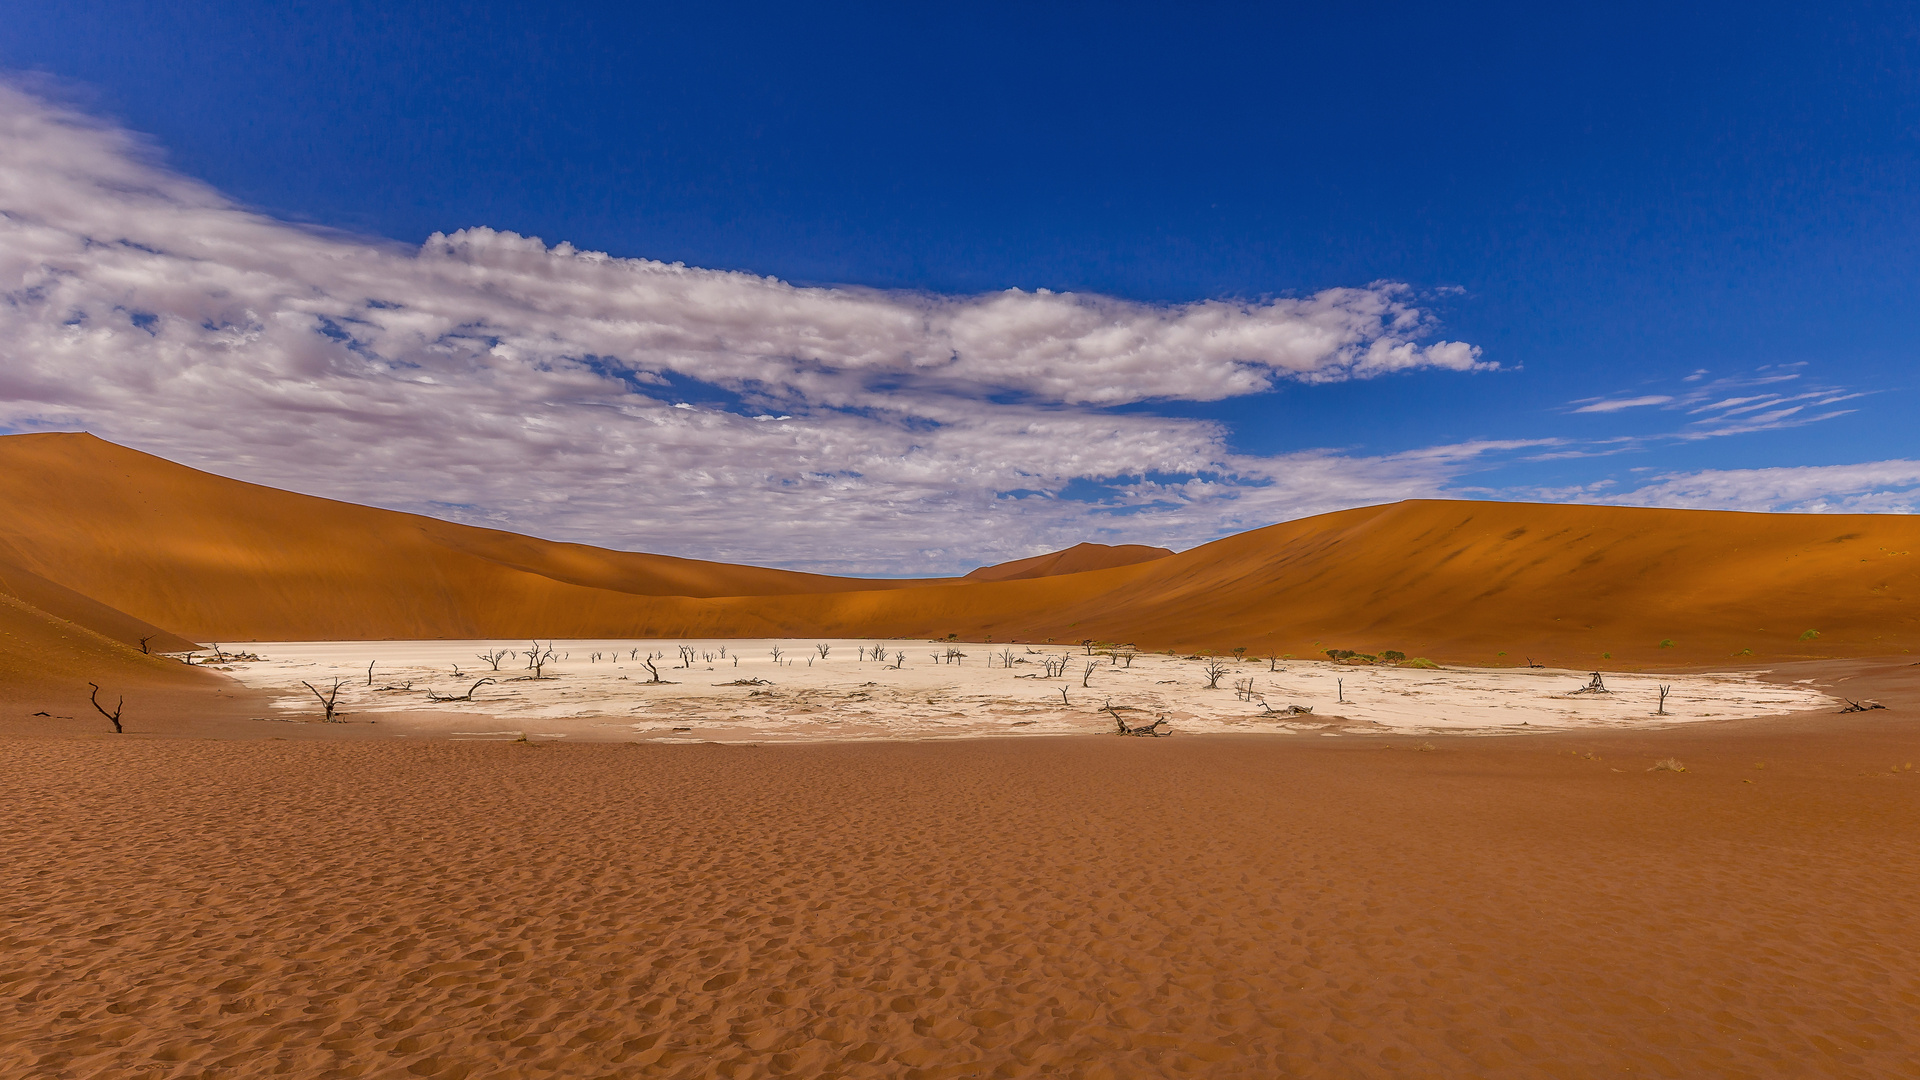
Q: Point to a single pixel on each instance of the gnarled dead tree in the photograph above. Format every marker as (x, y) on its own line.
(112, 717)
(328, 700)
(468, 696)
(1121, 727)
(1213, 671)
(538, 657)
(1595, 685)
(494, 656)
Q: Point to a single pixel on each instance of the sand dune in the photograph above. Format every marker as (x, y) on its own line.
(1472, 582)
(1073, 560)
(47, 662)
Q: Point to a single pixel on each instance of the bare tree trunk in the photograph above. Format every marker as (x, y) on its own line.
(112, 717)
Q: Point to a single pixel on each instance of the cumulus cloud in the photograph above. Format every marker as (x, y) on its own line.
(490, 377)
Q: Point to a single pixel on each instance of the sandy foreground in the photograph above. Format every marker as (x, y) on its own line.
(1083, 906)
(736, 690)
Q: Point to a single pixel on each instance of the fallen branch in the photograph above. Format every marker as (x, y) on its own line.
(1595, 685)
(1863, 705)
(468, 696)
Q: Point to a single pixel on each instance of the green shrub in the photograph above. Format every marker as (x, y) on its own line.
(1393, 656)
(1422, 662)
(1809, 635)
(1666, 643)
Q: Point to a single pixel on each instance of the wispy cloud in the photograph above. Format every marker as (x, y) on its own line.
(1724, 407)
(494, 377)
(1873, 487)
(1616, 404)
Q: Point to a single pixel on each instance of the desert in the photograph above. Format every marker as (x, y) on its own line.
(959, 542)
(889, 856)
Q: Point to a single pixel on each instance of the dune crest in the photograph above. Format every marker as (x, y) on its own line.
(1073, 560)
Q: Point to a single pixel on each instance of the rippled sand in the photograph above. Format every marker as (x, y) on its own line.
(1069, 907)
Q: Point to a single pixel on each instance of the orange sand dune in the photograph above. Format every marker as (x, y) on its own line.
(47, 662)
(1073, 560)
(218, 559)
(1477, 582)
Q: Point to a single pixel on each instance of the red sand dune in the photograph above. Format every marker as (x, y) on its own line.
(1073, 560)
(216, 559)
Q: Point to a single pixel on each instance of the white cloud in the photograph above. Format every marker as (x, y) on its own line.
(1880, 487)
(492, 377)
(1616, 404)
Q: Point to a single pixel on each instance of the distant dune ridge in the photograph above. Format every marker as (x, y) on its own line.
(123, 544)
(1073, 560)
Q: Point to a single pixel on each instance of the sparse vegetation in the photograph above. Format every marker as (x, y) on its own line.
(1422, 662)
(1666, 643)
(1809, 635)
(1668, 765)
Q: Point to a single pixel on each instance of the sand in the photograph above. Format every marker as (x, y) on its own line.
(737, 691)
(1230, 906)
(1475, 583)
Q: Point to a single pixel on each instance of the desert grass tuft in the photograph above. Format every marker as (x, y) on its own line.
(1668, 765)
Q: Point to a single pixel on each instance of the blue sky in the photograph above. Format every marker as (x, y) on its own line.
(1686, 207)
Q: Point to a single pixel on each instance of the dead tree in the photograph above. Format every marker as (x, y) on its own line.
(1087, 644)
(327, 700)
(143, 645)
(686, 657)
(494, 656)
(1291, 710)
(539, 657)
(1863, 705)
(1243, 688)
(1063, 696)
(1121, 727)
(1273, 662)
(1006, 658)
(1086, 677)
(112, 717)
(370, 664)
(776, 654)
(1595, 685)
(823, 649)
(1664, 691)
(468, 696)
(1213, 671)
(1340, 691)
(654, 672)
